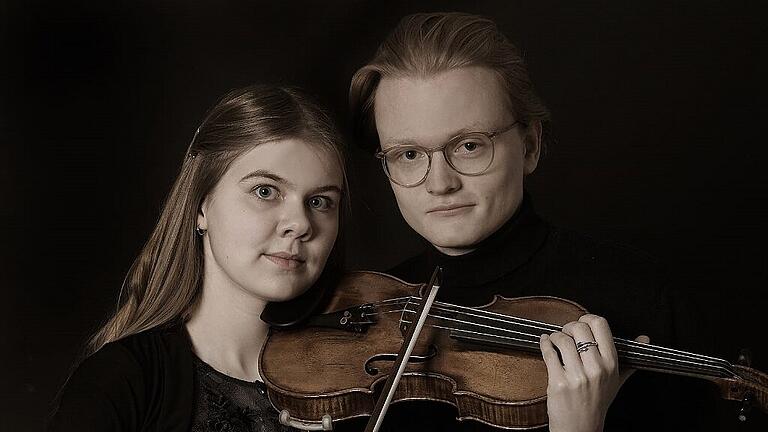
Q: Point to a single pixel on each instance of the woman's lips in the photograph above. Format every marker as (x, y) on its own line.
(285, 261)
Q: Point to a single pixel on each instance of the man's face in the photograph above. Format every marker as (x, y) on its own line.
(453, 211)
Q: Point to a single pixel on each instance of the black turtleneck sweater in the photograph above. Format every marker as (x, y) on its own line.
(528, 257)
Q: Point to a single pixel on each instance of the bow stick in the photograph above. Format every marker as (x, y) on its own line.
(377, 417)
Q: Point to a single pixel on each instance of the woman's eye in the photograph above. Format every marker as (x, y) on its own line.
(320, 203)
(266, 192)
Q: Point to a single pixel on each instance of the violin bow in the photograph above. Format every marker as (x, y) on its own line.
(377, 417)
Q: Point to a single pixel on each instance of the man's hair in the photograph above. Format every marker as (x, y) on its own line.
(427, 44)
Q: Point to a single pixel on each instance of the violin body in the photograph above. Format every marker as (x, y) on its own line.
(314, 371)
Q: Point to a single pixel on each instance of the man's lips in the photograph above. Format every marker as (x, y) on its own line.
(449, 209)
(285, 260)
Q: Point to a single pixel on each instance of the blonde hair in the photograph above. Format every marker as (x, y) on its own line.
(164, 283)
(425, 44)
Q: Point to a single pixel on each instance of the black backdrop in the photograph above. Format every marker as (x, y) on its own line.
(659, 111)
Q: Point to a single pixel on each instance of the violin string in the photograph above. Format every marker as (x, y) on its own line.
(637, 358)
(535, 339)
(550, 327)
(676, 354)
(532, 342)
(691, 358)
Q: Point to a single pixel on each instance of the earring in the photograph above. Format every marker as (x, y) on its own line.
(201, 232)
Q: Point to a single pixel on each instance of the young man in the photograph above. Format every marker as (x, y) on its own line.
(458, 124)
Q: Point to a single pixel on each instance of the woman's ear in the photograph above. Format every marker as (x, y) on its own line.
(532, 147)
(202, 222)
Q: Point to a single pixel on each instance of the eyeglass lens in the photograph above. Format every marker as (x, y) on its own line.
(469, 154)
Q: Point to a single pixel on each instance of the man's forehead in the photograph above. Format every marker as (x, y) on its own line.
(446, 135)
(423, 110)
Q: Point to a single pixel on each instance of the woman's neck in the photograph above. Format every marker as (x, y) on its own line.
(226, 329)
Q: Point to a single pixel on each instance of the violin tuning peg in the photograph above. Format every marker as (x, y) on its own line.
(745, 357)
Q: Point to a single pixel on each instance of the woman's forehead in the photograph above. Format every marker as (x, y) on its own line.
(299, 162)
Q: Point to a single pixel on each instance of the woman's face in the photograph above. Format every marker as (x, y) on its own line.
(272, 220)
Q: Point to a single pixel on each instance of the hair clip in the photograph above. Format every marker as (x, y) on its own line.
(191, 153)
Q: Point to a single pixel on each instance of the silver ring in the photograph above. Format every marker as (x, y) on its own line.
(584, 346)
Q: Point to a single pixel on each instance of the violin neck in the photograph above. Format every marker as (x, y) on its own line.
(668, 360)
(631, 354)
(495, 329)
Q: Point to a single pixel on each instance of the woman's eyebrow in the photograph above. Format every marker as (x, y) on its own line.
(272, 176)
(329, 188)
(266, 174)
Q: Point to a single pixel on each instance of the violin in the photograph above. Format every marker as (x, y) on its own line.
(483, 360)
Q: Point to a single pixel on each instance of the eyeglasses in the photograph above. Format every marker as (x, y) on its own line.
(469, 154)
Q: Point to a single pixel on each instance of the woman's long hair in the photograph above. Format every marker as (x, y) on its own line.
(164, 283)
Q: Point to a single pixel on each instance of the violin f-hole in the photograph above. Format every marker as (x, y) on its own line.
(370, 369)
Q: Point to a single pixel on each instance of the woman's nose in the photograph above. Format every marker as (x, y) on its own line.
(295, 222)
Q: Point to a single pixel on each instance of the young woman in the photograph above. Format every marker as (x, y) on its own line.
(252, 218)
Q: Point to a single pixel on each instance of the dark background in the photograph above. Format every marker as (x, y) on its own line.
(659, 112)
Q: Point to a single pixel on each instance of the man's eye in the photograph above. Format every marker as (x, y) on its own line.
(320, 203)
(408, 155)
(266, 192)
(468, 147)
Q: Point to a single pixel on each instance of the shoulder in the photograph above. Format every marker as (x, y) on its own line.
(136, 353)
(567, 246)
(620, 282)
(124, 383)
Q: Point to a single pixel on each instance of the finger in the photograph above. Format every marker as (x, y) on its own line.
(603, 336)
(627, 372)
(571, 359)
(551, 359)
(581, 332)
(643, 339)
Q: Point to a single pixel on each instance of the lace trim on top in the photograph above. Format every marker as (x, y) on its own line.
(227, 404)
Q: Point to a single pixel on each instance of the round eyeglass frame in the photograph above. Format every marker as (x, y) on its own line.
(382, 154)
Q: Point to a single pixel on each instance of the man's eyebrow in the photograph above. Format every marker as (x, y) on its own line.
(451, 135)
(266, 174)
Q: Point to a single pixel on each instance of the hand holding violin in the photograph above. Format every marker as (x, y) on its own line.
(581, 387)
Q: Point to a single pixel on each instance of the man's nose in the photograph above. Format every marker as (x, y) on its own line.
(441, 179)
